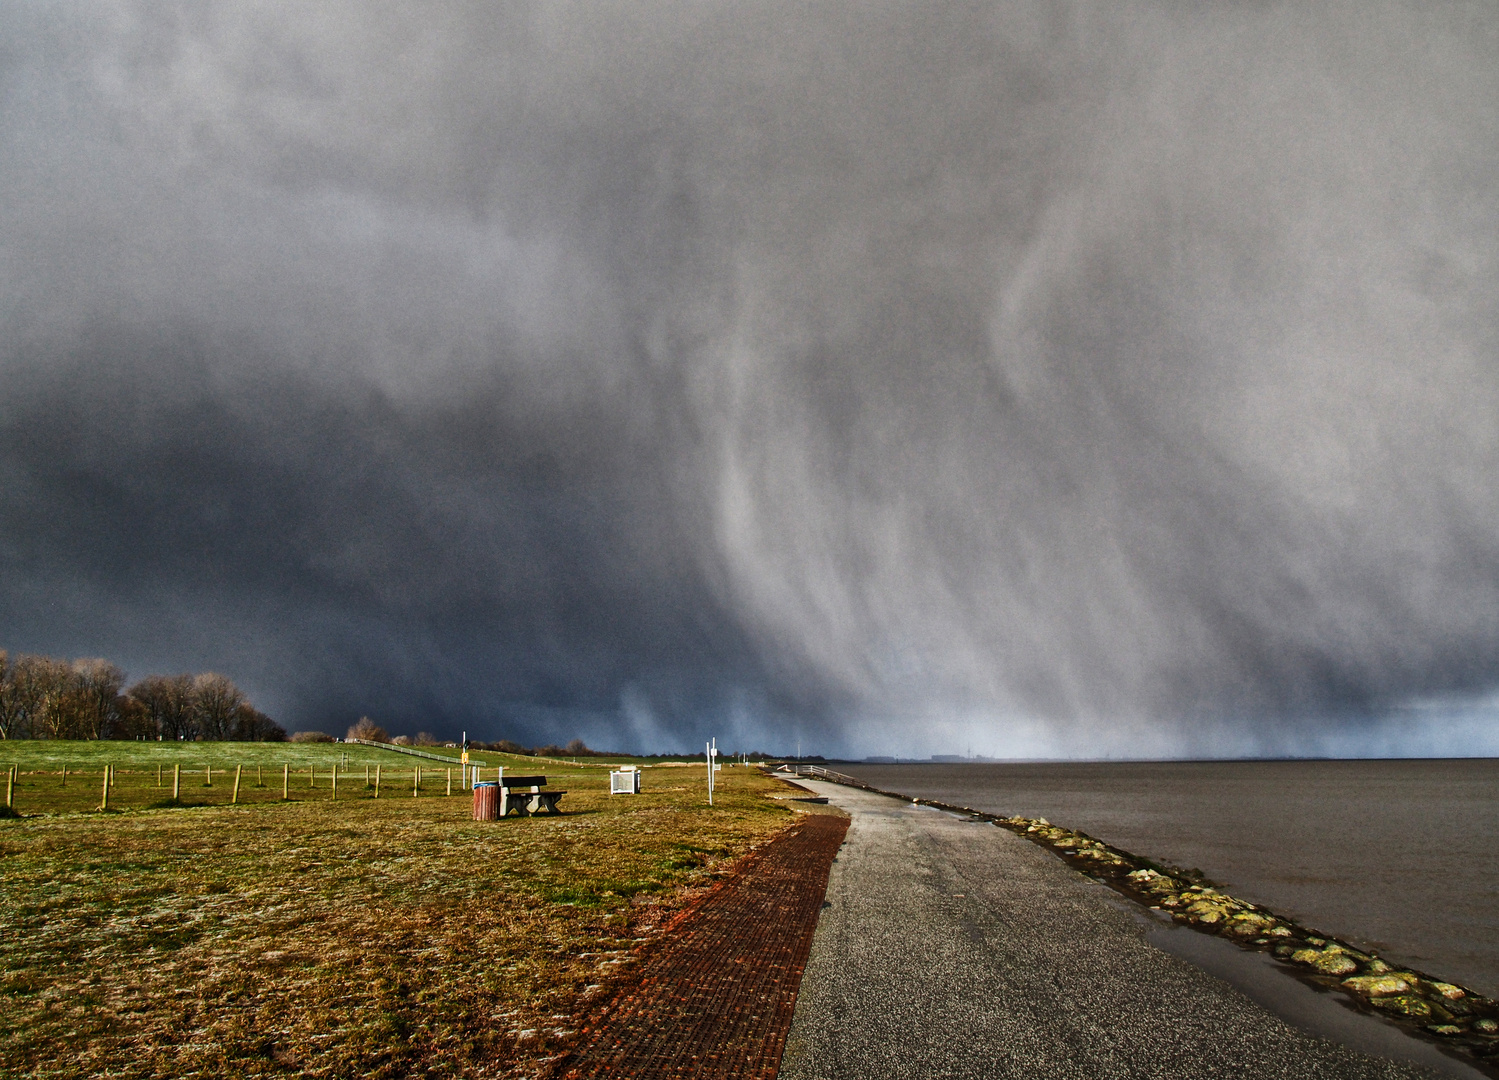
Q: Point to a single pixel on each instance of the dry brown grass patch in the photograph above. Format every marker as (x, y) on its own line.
(380, 939)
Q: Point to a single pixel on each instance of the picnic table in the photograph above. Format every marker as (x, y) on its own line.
(524, 795)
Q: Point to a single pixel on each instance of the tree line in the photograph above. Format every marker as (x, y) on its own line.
(45, 698)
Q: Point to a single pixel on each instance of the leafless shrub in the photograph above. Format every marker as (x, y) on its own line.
(401, 740)
(368, 730)
(426, 738)
(311, 736)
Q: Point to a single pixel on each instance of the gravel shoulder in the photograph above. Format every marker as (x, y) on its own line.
(950, 948)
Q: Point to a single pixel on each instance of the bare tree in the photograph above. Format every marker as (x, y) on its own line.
(45, 698)
(135, 721)
(94, 699)
(215, 700)
(10, 714)
(252, 725)
(169, 704)
(41, 685)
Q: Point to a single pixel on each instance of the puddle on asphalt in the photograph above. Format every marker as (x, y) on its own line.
(1265, 982)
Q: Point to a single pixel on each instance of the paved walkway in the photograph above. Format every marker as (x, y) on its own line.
(715, 997)
(955, 949)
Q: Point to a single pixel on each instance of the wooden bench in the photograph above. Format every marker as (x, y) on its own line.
(523, 794)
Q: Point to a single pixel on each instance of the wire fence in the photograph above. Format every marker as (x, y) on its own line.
(66, 790)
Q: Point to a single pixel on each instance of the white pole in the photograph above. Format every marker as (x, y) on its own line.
(708, 753)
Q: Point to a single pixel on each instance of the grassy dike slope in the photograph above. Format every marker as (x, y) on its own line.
(359, 937)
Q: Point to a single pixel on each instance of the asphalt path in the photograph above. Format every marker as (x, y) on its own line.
(952, 948)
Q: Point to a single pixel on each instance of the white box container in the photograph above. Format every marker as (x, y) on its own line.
(624, 781)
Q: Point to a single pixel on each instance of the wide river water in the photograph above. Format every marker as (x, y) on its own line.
(1398, 856)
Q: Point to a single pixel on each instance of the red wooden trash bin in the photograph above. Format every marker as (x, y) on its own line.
(487, 801)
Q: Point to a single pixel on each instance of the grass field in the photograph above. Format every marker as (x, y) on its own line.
(143, 772)
(364, 937)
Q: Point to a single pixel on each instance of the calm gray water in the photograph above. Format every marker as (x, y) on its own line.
(1398, 856)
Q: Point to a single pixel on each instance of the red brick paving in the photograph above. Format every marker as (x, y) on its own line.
(714, 997)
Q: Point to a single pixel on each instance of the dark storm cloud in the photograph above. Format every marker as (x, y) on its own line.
(902, 374)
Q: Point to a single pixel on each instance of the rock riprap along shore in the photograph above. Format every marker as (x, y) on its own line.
(1451, 1015)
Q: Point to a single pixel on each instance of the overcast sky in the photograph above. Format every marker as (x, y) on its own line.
(1030, 378)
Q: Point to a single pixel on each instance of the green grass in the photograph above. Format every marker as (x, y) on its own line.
(52, 755)
(381, 938)
(143, 772)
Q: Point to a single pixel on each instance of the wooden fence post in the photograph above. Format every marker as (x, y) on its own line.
(450, 780)
(208, 776)
(416, 780)
(233, 799)
(285, 781)
(176, 781)
(377, 781)
(104, 800)
(111, 776)
(158, 774)
(64, 776)
(335, 781)
(10, 781)
(366, 776)
(260, 776)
